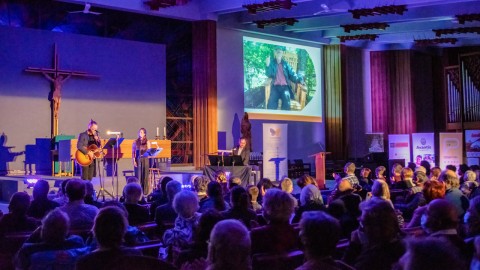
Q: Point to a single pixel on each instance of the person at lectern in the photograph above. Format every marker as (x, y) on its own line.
(85, 141)
(141, 164)
(281, 74)
(243, 151)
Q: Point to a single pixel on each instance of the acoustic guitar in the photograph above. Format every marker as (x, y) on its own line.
(85, 160)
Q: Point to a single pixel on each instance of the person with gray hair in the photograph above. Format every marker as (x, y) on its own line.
(40, 204)
(81, 214)
(349, 170)
(310, 200)
(453, 193)
(185, 205)
(200, 184)
(137, 214)
(278, 235)
(165, 214)
(54, 234)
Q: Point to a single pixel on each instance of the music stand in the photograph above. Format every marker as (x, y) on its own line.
(152, 152)
(113, 144)
(236, 159)
(214, 159)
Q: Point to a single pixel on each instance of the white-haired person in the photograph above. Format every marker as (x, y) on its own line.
(310, 200)
(137, 214)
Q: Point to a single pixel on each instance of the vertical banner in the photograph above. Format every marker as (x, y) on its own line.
(423, 146)
(472, 146)
(399, 147)
(451, 151)
(275, 151)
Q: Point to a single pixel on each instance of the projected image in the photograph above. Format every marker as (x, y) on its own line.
(281, 80)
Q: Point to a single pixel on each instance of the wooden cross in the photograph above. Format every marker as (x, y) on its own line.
(58, 77)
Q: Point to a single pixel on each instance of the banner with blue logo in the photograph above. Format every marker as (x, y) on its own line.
(423, 148)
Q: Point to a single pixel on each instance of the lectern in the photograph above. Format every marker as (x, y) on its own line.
(320, 168)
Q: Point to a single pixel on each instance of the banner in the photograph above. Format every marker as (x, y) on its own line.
(399, 147)
(472, 143)
(451, 151)
(275, 151)
(375, 142)
(423, 148)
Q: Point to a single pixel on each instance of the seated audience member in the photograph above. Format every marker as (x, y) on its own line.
(215, 198)
(253, 195)
(349, 170)
(346, 207)
(461, 172)
(81, 215)
(414, 198)
(62, 198)
(185, 205)
(278, 235)
(156, 197)
(232, 182)
(453, 193)
(17, 220)
(396, 174)
(199, 247)
(305, 180)
(407, 179)
(471, 219)
(380, 173)
(319, 234)
(435, 173)
(470, 189)
(240, 207)
(310, 200)
(137, 214)
(89, 195)
(364, 180)
(109, 229)
(287, 186)
(419, 255)
(451, 167)
(40, 204)
(54, 233)
(376, 244)
(163, 186)
(165, 214)
(381, 192)
(432, 190)
(200, 184)
(425, 164)
(441, 221)
(263, 185)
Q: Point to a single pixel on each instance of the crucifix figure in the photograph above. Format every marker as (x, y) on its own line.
(57, 77)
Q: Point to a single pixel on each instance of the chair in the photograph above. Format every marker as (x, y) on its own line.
(285, 261)
(150, 248)
(150, 229)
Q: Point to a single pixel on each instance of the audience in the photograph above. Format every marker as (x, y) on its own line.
(89, 195)
(137, 214)
(349, 170)
(287, 185)
(156, 197)
(435, 173)
(453, 193)
(81, 215)
(310, 200)
(232, 182)
(319, 234)
(414, 197)
(396, 176)
(40, 204)
(278, 235)
(380, 173)
(344, 206)
(240, 208)
(215, 198)
(253, 195)
(109, 229)
(381, 192)
(62, 198)
(364, 180)
(200, 184)
(165, 214)
(425, 164)
(17, 220)
(432, 190)
(472, 218)
(55, 240)
(263, 185)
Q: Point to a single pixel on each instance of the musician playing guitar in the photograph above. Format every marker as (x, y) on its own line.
(85, 141)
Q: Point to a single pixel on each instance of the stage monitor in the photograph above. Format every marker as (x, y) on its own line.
(294, 96)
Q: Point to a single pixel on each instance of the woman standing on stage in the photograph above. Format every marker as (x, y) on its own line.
(141, 164)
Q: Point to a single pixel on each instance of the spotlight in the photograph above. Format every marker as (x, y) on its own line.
(30, 182)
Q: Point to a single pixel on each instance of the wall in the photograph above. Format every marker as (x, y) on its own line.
(304, 138)
(129, 94)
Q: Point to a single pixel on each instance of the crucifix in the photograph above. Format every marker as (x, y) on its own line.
(57, 77)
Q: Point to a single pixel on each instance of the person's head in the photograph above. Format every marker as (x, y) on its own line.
(253, 192)
(419, 255)
(380, 172)
(411, 165)
(142, 133)
(75, 190)
(433, 189)
(365, 172)
(441, 215)
(109, 227)
(55, 227)
(468, 187)
(420, 178)
(426, 165)
(306, 180)
(89, 190)
(349, 168)
(173, 187)
(132, 193)
(435, 173)
(233, 182)
(278, 53)
(344, 185)
(19, 203)
(163, 184)
(462, 169)
(242, 142)
(421, 169)
(185, 204)
(469, 176)
(379, 221)
(452, 168)
(319, 233)
(396, 169)
(92, 126)
(472, 217)
(239, 198)
(450, 179)
(63, 186)
(40, 190)
(263, 185)
(407, 173)
(207, 220)
(132, 179)
(229, 246)
(287, 185)
(380, 189)
(214, 190)
(418, 159)
(310, 194)
(200, 184)
(278, 205)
